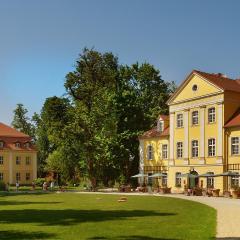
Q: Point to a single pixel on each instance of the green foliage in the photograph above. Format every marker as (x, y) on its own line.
(93, 131)
(21, 121)
(2, 186)
(39, 181)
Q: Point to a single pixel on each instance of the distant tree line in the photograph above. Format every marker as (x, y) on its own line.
(93, 130)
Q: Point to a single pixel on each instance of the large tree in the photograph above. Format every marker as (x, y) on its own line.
(92, 87)
(21, 121)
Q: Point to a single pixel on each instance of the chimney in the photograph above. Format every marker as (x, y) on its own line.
(221, 75)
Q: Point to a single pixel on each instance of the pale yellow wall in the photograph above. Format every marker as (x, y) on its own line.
(157, 146)
(22, 168)
(204, 88)
(233, 132)
(218, 181)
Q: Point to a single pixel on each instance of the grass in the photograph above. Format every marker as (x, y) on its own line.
(82, 216)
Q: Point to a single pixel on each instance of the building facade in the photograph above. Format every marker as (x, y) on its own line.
(18, 157)
(200, 135)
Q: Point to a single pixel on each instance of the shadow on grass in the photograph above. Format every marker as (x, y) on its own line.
(70, 216)
(134, 237)
(12, 203)
(10, 235)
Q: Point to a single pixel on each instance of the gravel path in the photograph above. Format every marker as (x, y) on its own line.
(228, 212)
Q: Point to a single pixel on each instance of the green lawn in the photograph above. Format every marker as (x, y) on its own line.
(81, 216)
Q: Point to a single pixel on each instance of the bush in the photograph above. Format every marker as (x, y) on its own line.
(2, 186)
(39, 181)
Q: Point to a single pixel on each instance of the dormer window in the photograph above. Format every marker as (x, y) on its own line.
(17, 145)
(160, 126)
(27, 145)
(1, 144)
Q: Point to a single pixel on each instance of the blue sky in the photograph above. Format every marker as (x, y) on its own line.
(40, 41)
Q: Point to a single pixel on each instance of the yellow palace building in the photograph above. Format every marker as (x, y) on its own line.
(201, 134)
(18, 157)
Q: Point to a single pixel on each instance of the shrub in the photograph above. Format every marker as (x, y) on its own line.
(2, 186)
(39, 181)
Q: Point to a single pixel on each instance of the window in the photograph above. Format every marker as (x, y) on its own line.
(178, 179)
(164, 151)
(18, 176)
(18, 160)
(1, 160)
(27, 144)
(17, 145)
(164, 180)
(27, 176)
(1, 144)
(235, 145)
(1, 176)
(235, 181)
(179, 120)
(211, 115)
(179, 150)
(150, 180)
(211, 147)
(150, 152)
(195, 118)
(210, 181)
(194, 148)
(28, 159)
(194, 87)
(160, 126)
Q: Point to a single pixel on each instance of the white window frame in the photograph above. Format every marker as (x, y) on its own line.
(165, 180)
(211, 115)
(1, 160)
(235, 181)
(179, 148)
(17, 144)
(28, 176)
(195, 148)
(179, 119)
(195, 118)
(150, 152)
(164, 151)
(235, 145)
(210, 181)
(18, 176)
(212, 147)
(28, 160)
(178, 179)
(18, 160)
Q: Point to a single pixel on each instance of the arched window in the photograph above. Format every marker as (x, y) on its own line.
(150, 152)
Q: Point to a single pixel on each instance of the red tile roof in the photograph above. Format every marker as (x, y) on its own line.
(7, 131)
(154, 133)
(10, 136)
(234, 120)
(164, 117)
(220, 80)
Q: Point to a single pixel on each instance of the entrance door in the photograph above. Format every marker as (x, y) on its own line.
(193, 182)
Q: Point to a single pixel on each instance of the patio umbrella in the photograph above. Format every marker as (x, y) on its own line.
(188, 175)
(208, 174)
(139, 175)
(228, 174)
(156, 175)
